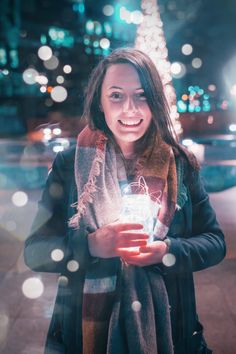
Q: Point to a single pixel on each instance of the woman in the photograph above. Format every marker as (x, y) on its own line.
(124, 290)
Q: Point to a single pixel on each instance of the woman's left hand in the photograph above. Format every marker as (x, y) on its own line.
(150, 254)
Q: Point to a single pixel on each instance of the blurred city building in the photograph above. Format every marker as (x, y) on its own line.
(48, 49)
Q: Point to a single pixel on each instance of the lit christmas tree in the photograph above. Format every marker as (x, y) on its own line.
(150, 39)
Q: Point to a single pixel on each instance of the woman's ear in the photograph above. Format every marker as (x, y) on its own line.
(100, 107)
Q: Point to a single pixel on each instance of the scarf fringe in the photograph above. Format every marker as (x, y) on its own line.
(90, 188)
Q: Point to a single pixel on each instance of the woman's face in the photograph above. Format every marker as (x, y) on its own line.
(124, 105)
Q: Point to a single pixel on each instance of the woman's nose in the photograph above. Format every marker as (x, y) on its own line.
(129, 106)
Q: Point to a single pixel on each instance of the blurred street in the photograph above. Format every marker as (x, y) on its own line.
(25, 315)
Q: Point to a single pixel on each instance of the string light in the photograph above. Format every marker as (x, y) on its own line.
(151, 39)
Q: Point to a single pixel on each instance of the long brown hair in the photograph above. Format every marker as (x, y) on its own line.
(153, 89)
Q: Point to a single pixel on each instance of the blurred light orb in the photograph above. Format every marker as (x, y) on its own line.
(178, 70)
(59, 94)
(19, 199)
(57, 255)
(60, 79)
(104, 43)
(32, 288)
(232, 127)
(41, 79)
(187, 49)
(169, 260)
(67, 69)
(196, 63)
(212, 87)
(63, 280)
(136, 306)
(210, 119)
(47, 131)
(108, 10)
(5, 72)
(56, 131)
(51, 63)
(184, 97)
(72, 266)
(45, 52)
(43, 89)
(29, 76)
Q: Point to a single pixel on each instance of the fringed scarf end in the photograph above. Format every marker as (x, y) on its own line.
(90, 188)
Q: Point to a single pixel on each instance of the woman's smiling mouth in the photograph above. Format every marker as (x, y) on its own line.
(130, 122)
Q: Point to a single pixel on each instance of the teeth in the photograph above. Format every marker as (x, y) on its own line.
(131, 122)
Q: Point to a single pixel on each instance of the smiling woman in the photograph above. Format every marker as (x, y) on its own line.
(133, 262)
(125, 107)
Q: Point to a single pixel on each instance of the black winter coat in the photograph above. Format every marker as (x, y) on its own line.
(197, 242)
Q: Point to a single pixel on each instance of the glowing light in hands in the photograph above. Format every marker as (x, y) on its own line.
(138, 207)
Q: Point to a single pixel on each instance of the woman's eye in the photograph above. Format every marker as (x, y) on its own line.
(141, 96)
(116, 96)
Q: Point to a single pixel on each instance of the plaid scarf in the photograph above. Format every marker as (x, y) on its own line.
(110, 288)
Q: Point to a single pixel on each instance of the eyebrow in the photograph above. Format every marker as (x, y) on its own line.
(120, 88)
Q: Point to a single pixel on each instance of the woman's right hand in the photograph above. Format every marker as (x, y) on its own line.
(117, 240)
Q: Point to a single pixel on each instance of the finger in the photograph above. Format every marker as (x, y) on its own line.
(127, 252)
(125, 243)
(152, 247)
(133, 236)
(146, 249)
(127, 226)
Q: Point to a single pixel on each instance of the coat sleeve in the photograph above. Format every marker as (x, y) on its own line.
(205, 245)
(47, 249)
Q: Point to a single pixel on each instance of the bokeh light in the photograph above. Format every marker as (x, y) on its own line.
(108, 10)
(56, 131)
(232, 128)
(104, 43)
(63, 280)
(60, 79)
(212, 87)
(187, 49)
(52, 63)
(19, 199)
(67, 69)
(196, 63)
(29, 76)
(41, 79)
(57, 255)
(43, 89)
(59, 94)
(136, 306)
(178, 70)
(32, 288)
(169, 259)
(210, 119)
(45, 52)
(73, 266)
